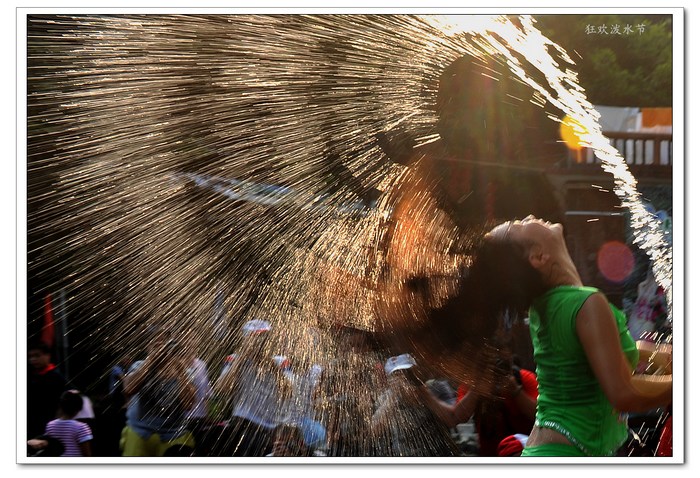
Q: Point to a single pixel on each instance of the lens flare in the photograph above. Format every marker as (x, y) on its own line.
(615, 261)
(570, 131)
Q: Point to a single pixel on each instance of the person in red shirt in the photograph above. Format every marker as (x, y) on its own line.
(500, 409)
(665, 446)
(45, 384)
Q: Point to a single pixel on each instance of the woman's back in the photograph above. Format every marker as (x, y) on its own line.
(571, 400)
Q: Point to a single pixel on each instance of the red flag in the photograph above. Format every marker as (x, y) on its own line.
(47, 331)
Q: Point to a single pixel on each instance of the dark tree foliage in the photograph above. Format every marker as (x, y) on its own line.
(622, 60)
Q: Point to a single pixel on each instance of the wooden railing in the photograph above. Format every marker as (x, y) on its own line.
(638, 149)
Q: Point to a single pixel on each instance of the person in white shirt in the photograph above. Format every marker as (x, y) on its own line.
(256, 387)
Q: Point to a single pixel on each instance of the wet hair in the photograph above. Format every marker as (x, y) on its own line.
(502, 272)
(497, 287)
(71, 403)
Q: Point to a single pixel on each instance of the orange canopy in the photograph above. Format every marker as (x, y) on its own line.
(657, 117)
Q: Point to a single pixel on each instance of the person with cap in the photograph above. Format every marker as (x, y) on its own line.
(254, 384)
(402, 423)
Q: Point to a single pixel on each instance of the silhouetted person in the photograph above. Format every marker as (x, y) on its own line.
(45, 384)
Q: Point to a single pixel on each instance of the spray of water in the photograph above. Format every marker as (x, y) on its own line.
(195, 172)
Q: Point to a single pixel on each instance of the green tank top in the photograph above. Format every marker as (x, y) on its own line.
(570, 399)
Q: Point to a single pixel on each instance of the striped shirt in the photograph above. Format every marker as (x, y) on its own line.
(71, 433)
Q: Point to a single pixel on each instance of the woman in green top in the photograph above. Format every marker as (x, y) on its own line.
(584, 353)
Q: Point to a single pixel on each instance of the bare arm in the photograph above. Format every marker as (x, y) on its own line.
(187, 389)
(37, 443)
(450, 415)
(658, 358)
(598, 333)
(380, 419)
(134, 380)
(525, 401)
(225, 384)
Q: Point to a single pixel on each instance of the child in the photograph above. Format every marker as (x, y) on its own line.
(75, 436)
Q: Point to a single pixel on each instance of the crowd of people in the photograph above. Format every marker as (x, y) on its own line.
(587, 376)
(167, 405)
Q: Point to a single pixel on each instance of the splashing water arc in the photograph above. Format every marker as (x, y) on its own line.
(198, 171)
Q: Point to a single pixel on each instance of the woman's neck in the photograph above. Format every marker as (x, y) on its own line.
(564, 272)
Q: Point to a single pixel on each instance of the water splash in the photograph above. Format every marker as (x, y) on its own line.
(198, 171)
(523, 45)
